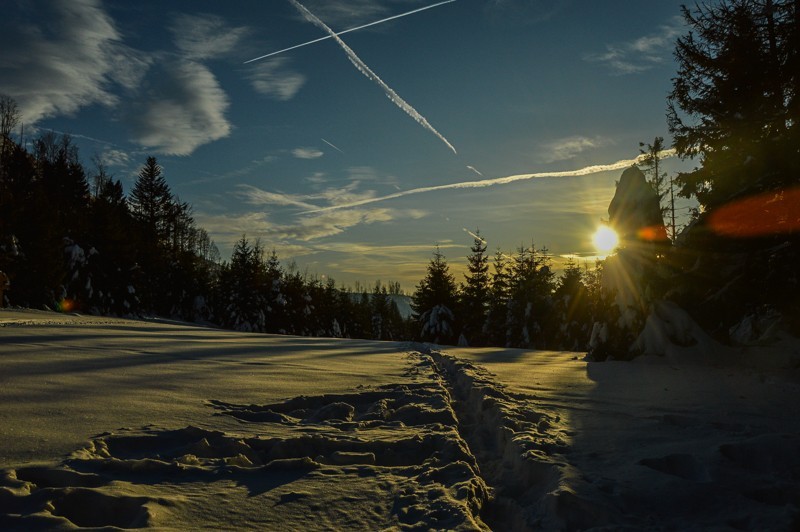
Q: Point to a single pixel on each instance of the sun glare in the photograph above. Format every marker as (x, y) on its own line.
(605, 239)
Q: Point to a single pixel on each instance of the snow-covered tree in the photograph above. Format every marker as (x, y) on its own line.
(474, 294)
(242, 288)
(571, 309)
(530, 297)
(497, 312)
(433, 301)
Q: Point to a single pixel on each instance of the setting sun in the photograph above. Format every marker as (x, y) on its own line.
(605, 239)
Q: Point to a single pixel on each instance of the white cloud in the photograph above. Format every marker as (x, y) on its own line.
(73, 56)
(642, 53)
(347, 12)
(183, 110)
(331, 196)
(228, 228)
(569, 147)
(115, 157)
(204, 36)
(68, 59)
(307, 153)
(271, 78)
(256, 196)
(309, 226)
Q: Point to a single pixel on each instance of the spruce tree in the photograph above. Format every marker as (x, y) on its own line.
(434, 300)
(734, 101)
(151, 201)
(497, 312)
(571, 308)
(474, 300)
(530, 291)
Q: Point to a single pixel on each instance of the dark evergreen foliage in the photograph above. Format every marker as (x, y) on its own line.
(474, 297)
(735, 106)
(434, 300)
(735, 102)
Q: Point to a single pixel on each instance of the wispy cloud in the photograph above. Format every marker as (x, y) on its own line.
(569, 147)
(309, 226)
(348, 12)
(183, 109)
(305, 229)
(369, 74)
(205, 36)
(115, 157)
(362, 259)
(256, 196)
(273, 79)
(307, 153)
(330, 196)
(642, 53)
(483, 183)
(72, 57)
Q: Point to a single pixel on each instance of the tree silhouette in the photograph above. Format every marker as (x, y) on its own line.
(434, 300)
(734, 102)
(474, 297)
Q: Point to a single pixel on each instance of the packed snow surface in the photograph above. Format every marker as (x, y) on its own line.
(132, 424)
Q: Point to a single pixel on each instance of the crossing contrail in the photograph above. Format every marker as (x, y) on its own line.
(381, 21)
(364, 69)
(588, 170)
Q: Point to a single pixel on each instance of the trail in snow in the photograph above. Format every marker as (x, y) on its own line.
(372, 76)
(382, 441)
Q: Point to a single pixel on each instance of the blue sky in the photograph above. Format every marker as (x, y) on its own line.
(301, 150)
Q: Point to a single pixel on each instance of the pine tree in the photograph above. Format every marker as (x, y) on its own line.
(495, 329)
(379, 306)
(242, 287)
(474, 300)
(434, 300)
(734, 101)
(9, 118)
(530, 290)
(151, 201)
(572, 308)
(651, 166)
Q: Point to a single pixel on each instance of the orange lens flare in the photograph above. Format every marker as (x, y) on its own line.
(65, 305)
(653, 233)
(771, 213)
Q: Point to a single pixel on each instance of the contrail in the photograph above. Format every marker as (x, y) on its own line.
(475, 170)
(351, 29)
(364, 69)
(476, 236)
(588, 170)
(331, 145)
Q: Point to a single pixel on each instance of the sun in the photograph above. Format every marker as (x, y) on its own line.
(605, 239)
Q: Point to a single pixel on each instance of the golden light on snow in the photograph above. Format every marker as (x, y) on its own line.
(605, 239)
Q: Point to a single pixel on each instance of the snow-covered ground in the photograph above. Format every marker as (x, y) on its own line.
(123, 423)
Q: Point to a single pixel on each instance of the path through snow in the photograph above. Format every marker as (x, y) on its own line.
(379, 435)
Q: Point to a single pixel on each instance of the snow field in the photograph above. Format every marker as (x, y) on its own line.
(230, 430)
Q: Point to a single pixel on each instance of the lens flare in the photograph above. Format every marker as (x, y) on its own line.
(65, 305)
(605, 239)
(771, 213)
